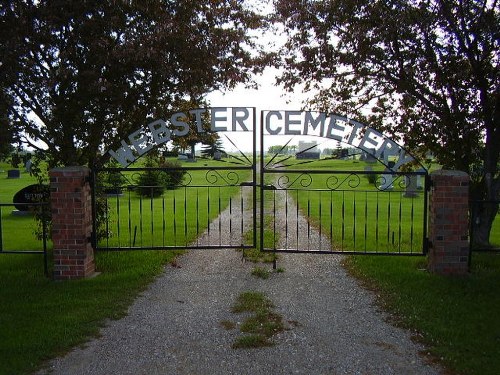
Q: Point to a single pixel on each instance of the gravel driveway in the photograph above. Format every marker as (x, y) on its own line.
(175, 327)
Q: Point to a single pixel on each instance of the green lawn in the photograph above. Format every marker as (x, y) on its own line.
(350, 210)
(455, 317)
(39, 319)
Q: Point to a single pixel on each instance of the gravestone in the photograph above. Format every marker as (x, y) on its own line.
(369, 156)
(387, 177)
(13, 173)
(25, 198)
(420, 179)
(411, 186)
(386, 180)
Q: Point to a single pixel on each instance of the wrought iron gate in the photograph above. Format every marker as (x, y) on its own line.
(352, 212)
(287, 202)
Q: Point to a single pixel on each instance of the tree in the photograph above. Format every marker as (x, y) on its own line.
(210, 149)
(426, 72)
(80, 75)
(7, 134)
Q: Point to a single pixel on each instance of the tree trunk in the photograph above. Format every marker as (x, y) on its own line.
(483, 214)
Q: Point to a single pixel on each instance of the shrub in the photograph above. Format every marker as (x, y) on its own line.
(153, 182)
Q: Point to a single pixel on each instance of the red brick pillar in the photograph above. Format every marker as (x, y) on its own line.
(71, 206)
(449, 223)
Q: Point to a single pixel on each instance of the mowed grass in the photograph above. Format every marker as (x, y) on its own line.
(178, 216)
(349, 210)
(40, 318)
(455, 317)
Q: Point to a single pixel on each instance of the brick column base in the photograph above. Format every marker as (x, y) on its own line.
(449, 223)
(71, 206)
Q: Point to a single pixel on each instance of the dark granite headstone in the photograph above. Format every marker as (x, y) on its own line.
(31, 194)
(13, 173)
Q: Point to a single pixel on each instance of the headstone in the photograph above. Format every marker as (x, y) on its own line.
(386, 180)
(28, 165)
(411, 186)
(13, 173)
(217, 155)
(31, 194)
(387, 177)
(182, 157)
(420, 179)
(369, 156)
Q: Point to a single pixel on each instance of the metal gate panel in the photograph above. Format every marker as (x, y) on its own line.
(211, 208)
(324, 211)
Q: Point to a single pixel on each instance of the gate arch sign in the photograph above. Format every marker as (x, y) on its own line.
(272, 122)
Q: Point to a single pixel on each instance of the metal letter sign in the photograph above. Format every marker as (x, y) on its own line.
(273, 122)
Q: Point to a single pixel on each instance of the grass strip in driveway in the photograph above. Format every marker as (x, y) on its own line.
(455, 317)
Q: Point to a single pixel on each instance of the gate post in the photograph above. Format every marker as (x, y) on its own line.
(71, 206)
(449, 223)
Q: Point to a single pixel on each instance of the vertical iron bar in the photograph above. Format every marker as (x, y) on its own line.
(185, 216)
(163, 224)
(286, 219)
(331, 219)
(377, 223)
(242, 229)
(151, 209)
(129, 217)
(366, 220)
(400, 219)
(220, 218)
(308, 220)
(140, 221)
(320, 219)
(297, 218)
(254, 177)
(274, 219)
(208, 210)
(343, 221)
(230, 220)
(262, 182)
(175, 218)
(197, 216)
(412, 220)
(118, 226)
(354, 221)
(389, 219)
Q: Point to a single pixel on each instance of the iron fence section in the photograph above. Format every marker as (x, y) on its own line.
(18, 247)
(319, 211)
(201, 208)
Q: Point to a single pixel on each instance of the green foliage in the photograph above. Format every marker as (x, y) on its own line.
(85, 70)
(452, 316)
(435, 87)
(153, 182)
(260, 273)
(259, 327)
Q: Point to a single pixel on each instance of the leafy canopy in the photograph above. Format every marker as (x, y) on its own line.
(80, 75)
(424, 71)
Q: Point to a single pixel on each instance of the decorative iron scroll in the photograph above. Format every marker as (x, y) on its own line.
(214, 177)
(303, 180)
(383, 181)
(335, 183)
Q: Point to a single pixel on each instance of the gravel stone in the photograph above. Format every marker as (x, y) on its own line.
(333, 325)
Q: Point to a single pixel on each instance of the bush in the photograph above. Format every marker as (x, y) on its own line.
(153, 182)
